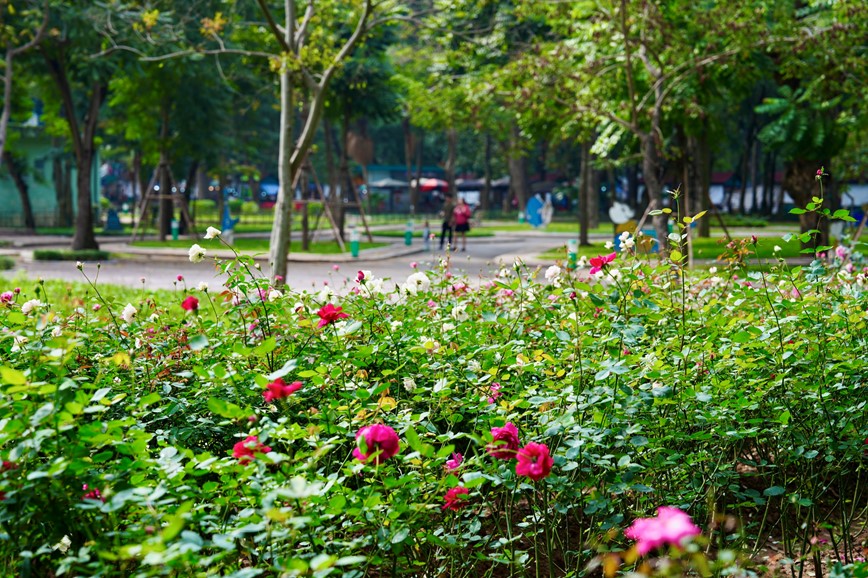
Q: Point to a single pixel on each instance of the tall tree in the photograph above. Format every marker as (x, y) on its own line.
(22, 28)
(79, 87)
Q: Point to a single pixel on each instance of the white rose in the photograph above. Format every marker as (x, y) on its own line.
(211, 233)
(459, 313)
(419, 281)
(197, 253)
(57, 331)
(553, 272)
(129, 313)
(203, 286)
(30, 306)
(274, 295)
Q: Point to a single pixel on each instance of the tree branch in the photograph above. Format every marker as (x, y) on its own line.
(39, 33)
(273, 26)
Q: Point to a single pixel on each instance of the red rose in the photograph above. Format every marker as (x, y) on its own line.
(246, 451)
(190, 304)
(456, 498)
(330, 314)
(597, 263)
(534, 461)
(505, 442)
(278, 389)
(381, 443)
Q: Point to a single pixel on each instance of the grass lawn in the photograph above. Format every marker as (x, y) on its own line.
(703, 248)
(261, 245)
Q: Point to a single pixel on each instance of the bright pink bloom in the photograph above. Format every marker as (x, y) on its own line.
(329, 314)
(360, 276)
(505, 442)
(414, 264)
(598, 263)
(534, 461)
(455, 462)
(180, 278)
(456, 498)
(432, 304)
(6, 296)
(190, 304)
(246, 451)
(94, 494)
(495, 392)
(278, 389)
(336, 267)
(381, 443)
(671, 526)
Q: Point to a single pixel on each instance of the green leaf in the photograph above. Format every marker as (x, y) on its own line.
(198, 343)
(413, 440)
(266, 346)
(12, 376)
(774, 491)
(797, 211)
(225, 409)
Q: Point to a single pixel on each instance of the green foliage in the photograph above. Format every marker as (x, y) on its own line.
(6, 262)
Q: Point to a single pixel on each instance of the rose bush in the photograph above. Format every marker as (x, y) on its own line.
(434, 428)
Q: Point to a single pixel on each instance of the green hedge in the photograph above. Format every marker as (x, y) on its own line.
(68, 255)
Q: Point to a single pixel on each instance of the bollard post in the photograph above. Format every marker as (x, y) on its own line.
(408, 233)
(572, 254)
(354, 242)
(175, 226)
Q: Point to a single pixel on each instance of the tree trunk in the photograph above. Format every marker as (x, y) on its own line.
(449, 166)
(651, 172)
(280, 232)
(16, 171)
(408, 163)
(702, 170)
(593, 188)
(584, 188)
(84, 237)
(485, 200)
(800, 181)
(518, 168)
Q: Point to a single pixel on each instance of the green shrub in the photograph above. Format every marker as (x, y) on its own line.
(69, 255)
(203, 206)
(249, 208)
(235, 205)
(6, 262)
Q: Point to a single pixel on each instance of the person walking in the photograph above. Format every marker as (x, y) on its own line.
(461, 217)
(447, 214)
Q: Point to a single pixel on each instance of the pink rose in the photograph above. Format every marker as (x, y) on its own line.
(671, 526)
(505, 442)
(381, 443)
(534, 461)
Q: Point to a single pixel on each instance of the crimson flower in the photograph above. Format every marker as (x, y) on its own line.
(94, 494)
(381, 443)
(8, 466)
(505, 442)
(329, 314)
(534, 461)
(456, 498)
(278, 389)
(599, 262)
(246, 451)
(190, 304)
(671, 526)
